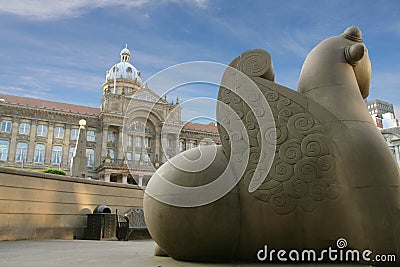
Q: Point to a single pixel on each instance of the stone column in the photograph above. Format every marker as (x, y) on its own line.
(157, 145)
(104, 142)
(13, 143)
(120, 154)
(31, 146)
(65, 152)
(107, 177)
(140, 180)
(176, 149)
(163, 148)
(124, 178)
(49, 144)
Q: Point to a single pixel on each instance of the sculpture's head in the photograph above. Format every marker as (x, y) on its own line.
(357, 56)
(338, 60)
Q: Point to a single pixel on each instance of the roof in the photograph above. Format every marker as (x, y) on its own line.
(52, 105)
(201, 127)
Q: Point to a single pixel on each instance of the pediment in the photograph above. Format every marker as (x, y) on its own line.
(146, 94)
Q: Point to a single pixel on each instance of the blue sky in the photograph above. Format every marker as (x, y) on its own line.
(60, 50)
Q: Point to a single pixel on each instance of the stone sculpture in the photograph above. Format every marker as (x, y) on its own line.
(331, 174)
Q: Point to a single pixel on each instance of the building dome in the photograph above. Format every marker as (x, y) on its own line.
(125, 51)
(124, 69)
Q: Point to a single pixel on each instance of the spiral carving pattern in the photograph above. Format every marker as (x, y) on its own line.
(305, 156)
(272, 96)
(277, 134)
(300, 123)
(256, 63)
(290, 151)
(327, 165)
(281, 171)
(304, 167)
(314, 145)
(296, 188)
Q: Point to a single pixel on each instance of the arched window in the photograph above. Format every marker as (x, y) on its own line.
(4, 149)
(56, 155)
(22, 151)
(182, 145)
(39, 153)
(129, 72)
(70, 154)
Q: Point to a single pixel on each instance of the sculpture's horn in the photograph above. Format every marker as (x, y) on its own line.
(353, 33)
(354, 53)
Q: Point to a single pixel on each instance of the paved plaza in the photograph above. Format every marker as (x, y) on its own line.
(74, 253)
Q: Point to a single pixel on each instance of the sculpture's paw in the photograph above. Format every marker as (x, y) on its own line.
(185, 214)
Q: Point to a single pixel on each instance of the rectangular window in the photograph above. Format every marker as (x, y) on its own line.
(137, 156)
(130, 140)
(70, 154)
(138, 141)
(111, 153)
(74, 133)
(4, 150)
(42, 130)
(58, 132)
(90, 157)
(111, 136)
(56, 155)
(146, 158)
(129, 156)
(6, 126)
(22, 150)
(39, 153)
(24, 128)
(181, 146)
(192, 145)
(91, 136)
(169, 142)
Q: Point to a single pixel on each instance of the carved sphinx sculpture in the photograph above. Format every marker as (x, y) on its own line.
(316, 169)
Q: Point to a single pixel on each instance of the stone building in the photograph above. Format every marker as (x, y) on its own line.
(39, 134)
(392, 137)
(382, 114)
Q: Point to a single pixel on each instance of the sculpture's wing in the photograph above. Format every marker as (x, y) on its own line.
(301, 150)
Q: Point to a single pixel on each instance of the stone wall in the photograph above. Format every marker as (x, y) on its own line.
(43, 206)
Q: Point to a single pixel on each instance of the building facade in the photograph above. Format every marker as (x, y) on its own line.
(382, 114)
(39, 134)
(392, 137)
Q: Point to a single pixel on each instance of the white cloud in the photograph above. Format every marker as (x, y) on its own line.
(25, 92)
(53, 9)
(49, 9)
